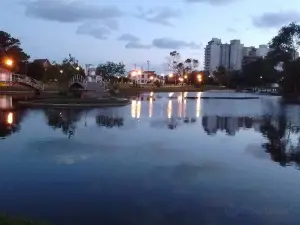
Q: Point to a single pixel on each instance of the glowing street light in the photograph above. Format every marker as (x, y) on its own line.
(77, 68)
(185, 76)
(9, 62)
(133, 73)
(61, 71)
(171, 75)
(180, 79)
(151, 78)
(139, 72)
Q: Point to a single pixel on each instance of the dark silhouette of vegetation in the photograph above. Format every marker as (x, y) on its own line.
(110, 70)
(64, 119)
(6, 220)
(10, 47)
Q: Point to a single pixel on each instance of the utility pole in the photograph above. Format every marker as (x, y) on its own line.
(148, 63)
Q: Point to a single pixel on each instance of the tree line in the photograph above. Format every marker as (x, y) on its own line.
(10, 48)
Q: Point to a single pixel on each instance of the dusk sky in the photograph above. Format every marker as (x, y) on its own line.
(133, 31)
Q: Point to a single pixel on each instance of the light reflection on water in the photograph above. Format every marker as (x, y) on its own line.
(160, 160)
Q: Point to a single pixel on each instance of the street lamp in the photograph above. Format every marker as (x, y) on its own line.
(185, 76)
(171, 75)
(180, 79)
(9, 62)
(77, 68)
(151, 78)
(61, 71)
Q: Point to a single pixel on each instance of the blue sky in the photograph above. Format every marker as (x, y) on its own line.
(133, 31)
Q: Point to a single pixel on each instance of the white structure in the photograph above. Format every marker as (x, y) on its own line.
(236, 55)
(143, 77)
(5, 75)
(262, 51)
(213, 55)
(225, 56)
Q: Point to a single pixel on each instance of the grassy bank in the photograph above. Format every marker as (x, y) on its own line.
(5, 220)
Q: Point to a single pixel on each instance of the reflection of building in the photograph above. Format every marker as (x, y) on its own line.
(230, 125)
(6, 102)
(109, 122)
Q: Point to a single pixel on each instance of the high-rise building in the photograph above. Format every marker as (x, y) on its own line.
(262, 50)
(236, 55)
(225, 56)
(212, 55)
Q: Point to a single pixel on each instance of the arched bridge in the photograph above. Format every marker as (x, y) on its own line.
(23, 79)
(98, 86)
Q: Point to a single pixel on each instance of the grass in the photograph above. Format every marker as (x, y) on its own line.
(5, 220)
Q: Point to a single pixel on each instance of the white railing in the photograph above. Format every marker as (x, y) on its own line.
(23, 79)
(84, 80)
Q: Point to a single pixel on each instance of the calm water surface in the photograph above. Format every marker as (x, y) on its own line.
(162, 161)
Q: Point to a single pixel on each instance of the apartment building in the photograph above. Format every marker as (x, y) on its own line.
(213, 55)
(231, 55)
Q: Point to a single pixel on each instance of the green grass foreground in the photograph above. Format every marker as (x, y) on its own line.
(5, 220)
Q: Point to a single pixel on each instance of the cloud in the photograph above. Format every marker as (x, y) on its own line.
(168, 43)
(162, 15)
(212, 2)
(231, 30)
(136, 45)
(275, 20)
(129, 38)
(69, 11)
(94, 30)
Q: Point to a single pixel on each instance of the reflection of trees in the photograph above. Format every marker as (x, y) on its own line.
(64, 119)
(280, 133)
(212, 124)
(109, 122)
(8, 127)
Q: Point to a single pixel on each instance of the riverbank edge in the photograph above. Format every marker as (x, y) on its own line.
(80, 103)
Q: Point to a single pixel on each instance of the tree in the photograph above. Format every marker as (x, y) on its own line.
(284, 47)
(110, 69)
(285, 44)
(181, 67)
(36, 70)
(69, 68)
(11, 48)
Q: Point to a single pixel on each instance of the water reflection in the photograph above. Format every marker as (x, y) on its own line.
(109, 122)
(64, 119)
(231, 125)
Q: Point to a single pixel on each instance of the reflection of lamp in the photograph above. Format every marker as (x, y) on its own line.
(133, 107)
(10, 118)
(170, 109)
(138, 109)
(198, 104)
(150, 107)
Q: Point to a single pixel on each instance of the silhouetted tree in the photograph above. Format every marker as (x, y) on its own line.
(110, 69)
(10, 47)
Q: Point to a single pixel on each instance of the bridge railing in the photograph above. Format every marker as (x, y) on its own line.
(19, 78)
(82, 79)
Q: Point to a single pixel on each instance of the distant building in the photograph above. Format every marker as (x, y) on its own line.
(44, 62)
(144, 77)
(225, 56)
(236, 50)
(231, 56)
(212, 55)
(263, 50)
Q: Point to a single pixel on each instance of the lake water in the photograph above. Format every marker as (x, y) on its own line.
(159, 161)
